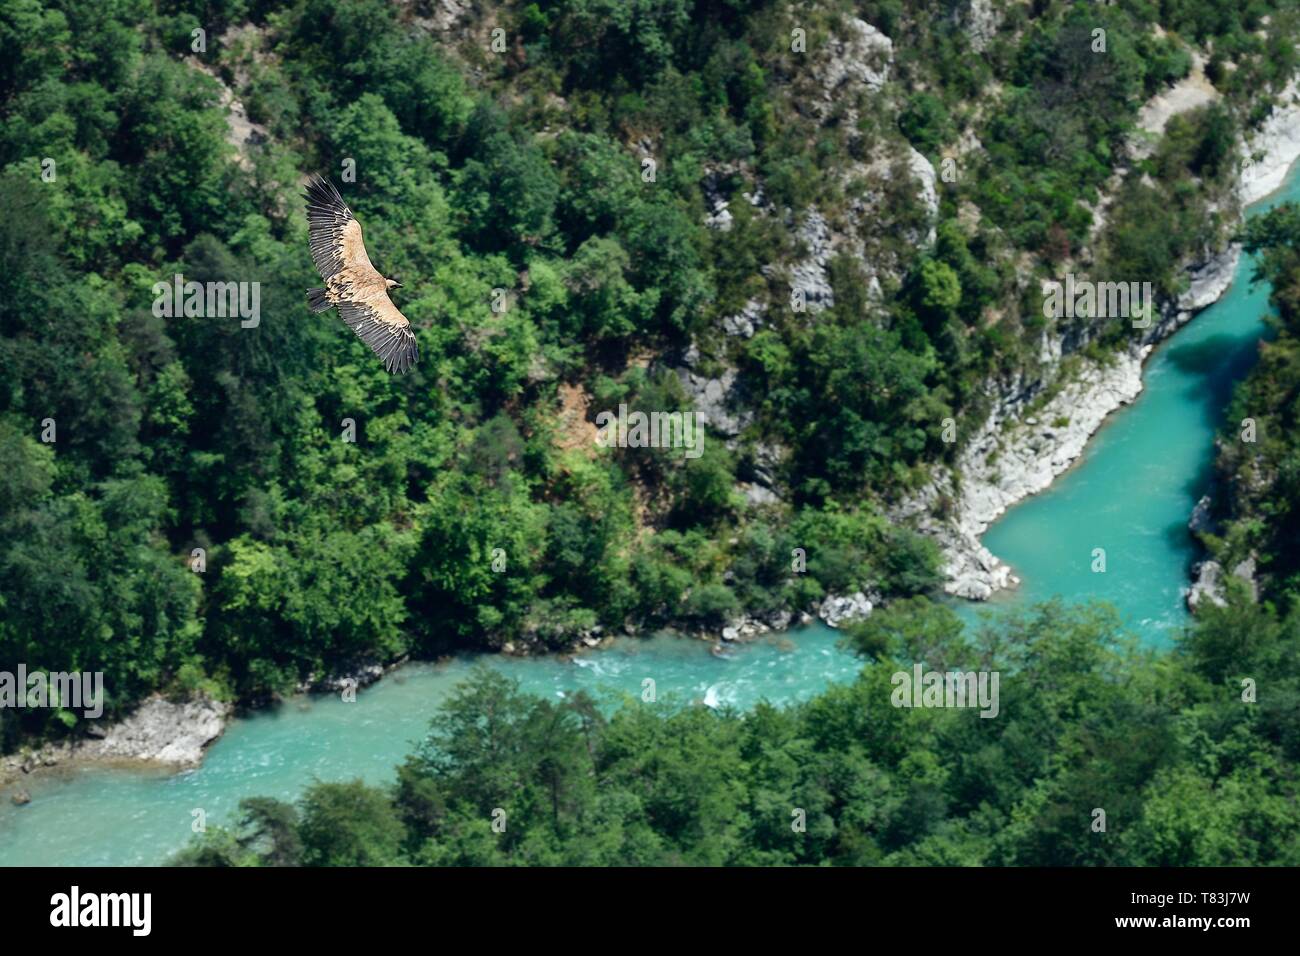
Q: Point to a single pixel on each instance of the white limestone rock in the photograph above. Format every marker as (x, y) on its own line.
(1270, 151)
(1210, 279)
(923, 171)
(836, 610)
(980, 23)
(1207, 586)
(808, 276)
(858, 57)
(712, 398)
(162, 731)
(745, 322)
(1009, 460)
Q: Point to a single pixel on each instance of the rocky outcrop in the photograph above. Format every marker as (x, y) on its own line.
(159, 732)
(1270, 151)
(923, 172)
(858, 58)
(443, 14)
(853, 68)
(758, 471)
(979, 21)
(1201, 520)
(751, 626)
(757, 495)
(833, 611)
(241, 132)
(719, 215)
(809, 280)
(363, 675)
(745, 322)
(714, 399)
(1208, 583)
(836, 610)
(1207, 281)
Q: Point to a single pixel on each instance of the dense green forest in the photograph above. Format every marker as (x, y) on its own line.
(130, 440)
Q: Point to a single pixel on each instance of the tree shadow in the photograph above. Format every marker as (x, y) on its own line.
(1213, 357)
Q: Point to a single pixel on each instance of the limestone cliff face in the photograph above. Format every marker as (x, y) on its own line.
(1268, 153)
(858, 58)
(853, 74)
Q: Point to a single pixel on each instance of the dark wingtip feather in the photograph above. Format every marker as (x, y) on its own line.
(395, 345)
(401, 354)
(321, 191)
(407, 355)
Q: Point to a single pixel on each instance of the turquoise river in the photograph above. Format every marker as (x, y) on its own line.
(1131, 494)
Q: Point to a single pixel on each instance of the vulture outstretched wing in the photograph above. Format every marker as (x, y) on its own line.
(351, 282)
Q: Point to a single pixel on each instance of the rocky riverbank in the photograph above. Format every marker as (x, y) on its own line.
(832, 611)
(159, 733)
(1026, 442)
(1033, 435)
(1269, 152)
(1012, 457)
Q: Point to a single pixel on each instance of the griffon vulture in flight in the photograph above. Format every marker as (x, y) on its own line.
(351, 282)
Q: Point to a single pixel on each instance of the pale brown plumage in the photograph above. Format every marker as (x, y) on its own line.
(351, 282)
